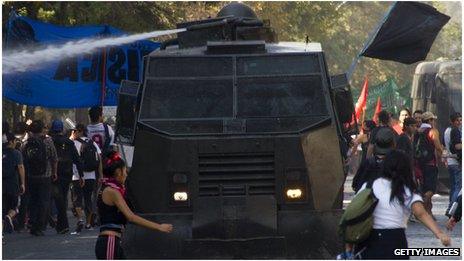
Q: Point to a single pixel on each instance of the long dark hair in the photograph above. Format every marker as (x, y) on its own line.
(111, 162)
(397, 167)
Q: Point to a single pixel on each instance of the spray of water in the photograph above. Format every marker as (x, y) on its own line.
(25, 60)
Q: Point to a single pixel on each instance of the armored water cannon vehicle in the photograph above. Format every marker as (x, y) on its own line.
(238, 143)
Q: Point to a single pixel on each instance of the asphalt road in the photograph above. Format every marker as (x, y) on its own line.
(53, 246)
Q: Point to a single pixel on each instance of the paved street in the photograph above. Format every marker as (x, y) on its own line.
(417, 234)
(53, 246)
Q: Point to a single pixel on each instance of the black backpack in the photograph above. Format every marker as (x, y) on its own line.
(424, 151)
(88, 155)
(35, 156)
(63, 150)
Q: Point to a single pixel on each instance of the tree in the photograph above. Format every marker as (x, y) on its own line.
(342, 28)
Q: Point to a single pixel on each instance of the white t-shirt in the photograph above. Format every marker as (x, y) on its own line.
(97, 133)
(389, 215)
(87, 175)
(447, 138)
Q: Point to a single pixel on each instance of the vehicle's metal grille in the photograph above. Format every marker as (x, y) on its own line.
(236, 174)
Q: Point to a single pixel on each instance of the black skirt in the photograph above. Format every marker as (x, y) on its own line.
(381, 244)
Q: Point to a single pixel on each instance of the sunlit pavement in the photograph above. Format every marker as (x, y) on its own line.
(54, 246)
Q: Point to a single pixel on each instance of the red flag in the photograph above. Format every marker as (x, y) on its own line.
(378, 108)
(361, 104)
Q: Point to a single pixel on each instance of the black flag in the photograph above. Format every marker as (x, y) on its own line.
(407, 33)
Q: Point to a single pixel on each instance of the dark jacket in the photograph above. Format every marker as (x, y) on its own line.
(65, 169)
(370, 169)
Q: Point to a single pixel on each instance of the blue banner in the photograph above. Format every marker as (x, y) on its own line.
(71, 82)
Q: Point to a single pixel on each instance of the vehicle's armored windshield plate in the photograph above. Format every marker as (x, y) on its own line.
(177, 99)
(190, 66)
(280, 97)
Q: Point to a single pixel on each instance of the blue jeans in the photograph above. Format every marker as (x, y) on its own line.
(455, 172)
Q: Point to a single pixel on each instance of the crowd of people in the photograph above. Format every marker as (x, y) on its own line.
(42, 163)
(400, 163)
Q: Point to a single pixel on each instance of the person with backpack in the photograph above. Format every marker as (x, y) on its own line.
(67, 156)
(13, 181)
(453, 159)
(40, 162)
(385, 122)
(89, 153)
(101, 133)
(427, 153)
(395, 197)
(371, 168)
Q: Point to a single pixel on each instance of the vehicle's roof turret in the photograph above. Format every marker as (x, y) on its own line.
(237, 10)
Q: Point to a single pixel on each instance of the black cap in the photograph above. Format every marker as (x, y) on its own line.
(409, 121)
(384, 141)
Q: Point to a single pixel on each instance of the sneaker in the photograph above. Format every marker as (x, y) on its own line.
(9, 227)
(88, 227)
(63, 231)
(80, 226)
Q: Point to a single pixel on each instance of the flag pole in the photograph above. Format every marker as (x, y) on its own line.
(368, 42)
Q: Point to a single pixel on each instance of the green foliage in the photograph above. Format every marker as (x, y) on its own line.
(342, 28)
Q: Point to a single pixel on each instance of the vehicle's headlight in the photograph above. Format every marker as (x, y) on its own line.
(180, 196)
(294, 193)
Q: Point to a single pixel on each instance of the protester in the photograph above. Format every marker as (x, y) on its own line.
(417, 115)
(404, 113)
(397, 197)
(363, 139)
(101, 133)
(89, 153)
(13, 182)
(114, 211)
(384, 122)
(67, 156)
(40, 162)
(453, 161)
(5, 130)
(428, 151)
(406, 139)
(20, 132)
(371, 168)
